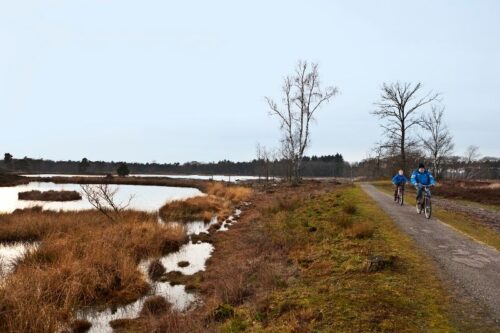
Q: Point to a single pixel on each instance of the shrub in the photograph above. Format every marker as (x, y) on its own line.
(349, 208)
(156, 270)
(223, 312)
(123, 170)
(80, 326)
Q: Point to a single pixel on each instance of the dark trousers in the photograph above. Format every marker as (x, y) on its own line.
(419, 193)
(396, 190)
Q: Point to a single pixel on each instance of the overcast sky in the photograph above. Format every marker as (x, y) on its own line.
(185, 80)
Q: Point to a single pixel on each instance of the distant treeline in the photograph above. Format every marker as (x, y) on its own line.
(313, 166)
(454, 167)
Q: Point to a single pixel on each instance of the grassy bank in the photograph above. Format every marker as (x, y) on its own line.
(332, 242)
(465, 223)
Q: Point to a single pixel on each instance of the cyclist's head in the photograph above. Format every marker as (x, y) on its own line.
(401, 172)
(421, 167)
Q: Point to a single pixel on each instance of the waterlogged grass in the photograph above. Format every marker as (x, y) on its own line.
(83, 260)
(329, 240)
(460, 221)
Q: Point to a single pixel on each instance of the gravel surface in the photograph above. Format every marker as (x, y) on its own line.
(469, 265)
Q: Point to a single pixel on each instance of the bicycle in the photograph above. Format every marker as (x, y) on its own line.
(400, 195)
(425, 203)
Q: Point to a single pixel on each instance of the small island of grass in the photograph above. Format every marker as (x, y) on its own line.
(51, 195)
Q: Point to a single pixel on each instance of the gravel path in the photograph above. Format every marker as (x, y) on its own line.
(471, 266)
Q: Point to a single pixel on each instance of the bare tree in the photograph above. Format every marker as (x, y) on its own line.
(264, 157)
(302, 97)
(439, 142)
(399, 107)
(471, 155)
(103, 198)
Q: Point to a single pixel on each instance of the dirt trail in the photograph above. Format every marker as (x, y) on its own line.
(472, 267)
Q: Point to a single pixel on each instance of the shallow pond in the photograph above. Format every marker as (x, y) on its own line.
(11, 253)
(146, 198)
(196, 254)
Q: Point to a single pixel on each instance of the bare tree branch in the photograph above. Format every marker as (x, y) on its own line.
(102, 198)
(398, 107)
(302, 97)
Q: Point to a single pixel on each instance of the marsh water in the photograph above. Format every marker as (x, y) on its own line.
(146, 198)
(196, 254)
(226, 178)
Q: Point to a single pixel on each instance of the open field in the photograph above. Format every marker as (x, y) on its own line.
(484, 192)
(316, 257)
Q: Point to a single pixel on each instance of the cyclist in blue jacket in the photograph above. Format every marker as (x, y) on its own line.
(399, 180)
(421, 177)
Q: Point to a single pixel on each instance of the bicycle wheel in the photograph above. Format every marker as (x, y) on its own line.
(428, 208)
(401, 198)
(419, 208)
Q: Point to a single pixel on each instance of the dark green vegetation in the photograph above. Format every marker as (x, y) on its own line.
(320, 166)
(122, 170)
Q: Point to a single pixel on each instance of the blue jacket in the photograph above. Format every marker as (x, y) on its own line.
(424, 178)
(398, 179)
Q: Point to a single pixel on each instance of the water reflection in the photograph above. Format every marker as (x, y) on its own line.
(10, 254)
(146, 198)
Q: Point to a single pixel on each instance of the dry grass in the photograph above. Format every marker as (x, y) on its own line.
(154, 306)
(156, 270)
(232, 193)
(219, 200)
(195, 209)
(361, 230)
(475, 191)
(83, 260)
(7, 179)
(50, 195)
(285, 278)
